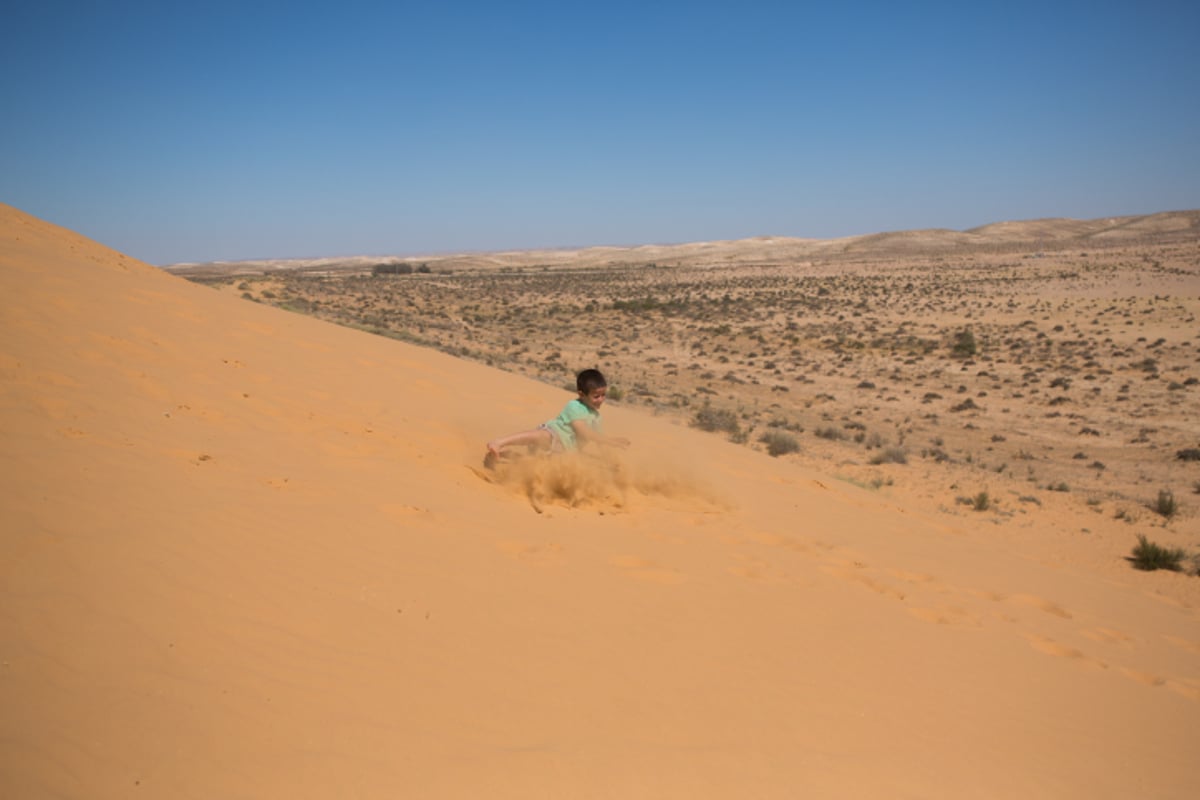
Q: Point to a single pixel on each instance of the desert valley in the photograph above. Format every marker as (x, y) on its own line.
(878, 533)
(1016, 368)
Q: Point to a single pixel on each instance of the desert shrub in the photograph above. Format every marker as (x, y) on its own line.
(779, 443)
(980, 502)
(891, 455)
(871, 441)
(965, 345)
(713, 420)
(392, 269)
(1150, 556)
(1146, 365)
(299, 305)
(965, 405)
(1165, 504)
(831, 433)
(615, 392)
(1188, 454)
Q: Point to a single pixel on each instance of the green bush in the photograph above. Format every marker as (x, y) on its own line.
(965, 345)
(1150, 556)
(1165, 504)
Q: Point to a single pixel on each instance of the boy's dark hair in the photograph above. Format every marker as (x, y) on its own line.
(589, 381)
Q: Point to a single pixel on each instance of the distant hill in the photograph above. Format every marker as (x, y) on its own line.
(1025, 235)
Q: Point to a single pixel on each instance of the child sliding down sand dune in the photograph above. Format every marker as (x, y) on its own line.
(576, 427)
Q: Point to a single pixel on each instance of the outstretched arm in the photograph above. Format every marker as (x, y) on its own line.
(586, 435)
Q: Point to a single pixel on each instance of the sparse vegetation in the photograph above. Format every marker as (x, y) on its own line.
(890, 455)
(708, 418)
(965, 345)
(1164, 504)
(392, 268)
(779, 443)
(1150, 556)
(900, 347)
(831, 433)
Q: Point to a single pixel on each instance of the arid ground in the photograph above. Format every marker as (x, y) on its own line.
(1018, 366)
(874, 536)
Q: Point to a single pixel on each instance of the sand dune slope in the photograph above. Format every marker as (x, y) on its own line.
(246, 554)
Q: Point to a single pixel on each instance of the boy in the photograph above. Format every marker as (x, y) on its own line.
(578, 424)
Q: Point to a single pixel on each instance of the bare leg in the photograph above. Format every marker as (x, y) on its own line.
(538, 437)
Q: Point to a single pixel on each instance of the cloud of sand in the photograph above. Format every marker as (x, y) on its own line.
(605, 480)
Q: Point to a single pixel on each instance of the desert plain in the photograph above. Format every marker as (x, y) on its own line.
(873, 537)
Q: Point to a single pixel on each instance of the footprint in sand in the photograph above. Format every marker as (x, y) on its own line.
(1144, 678)
(779, 540)
(1109, 636)
(1052, 648)
(542, 555)
(855, 574)
(911, 577)
(397, 510)
(646, 570)
(754, 569)
(1028, 600)
(946, 615)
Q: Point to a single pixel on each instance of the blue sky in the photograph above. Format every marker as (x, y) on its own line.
(234, 130)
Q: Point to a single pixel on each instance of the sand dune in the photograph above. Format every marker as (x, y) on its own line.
(250, 554)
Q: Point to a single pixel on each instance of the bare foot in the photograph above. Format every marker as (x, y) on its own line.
(492, 456)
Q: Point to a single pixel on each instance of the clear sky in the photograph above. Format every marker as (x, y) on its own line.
(196, 131)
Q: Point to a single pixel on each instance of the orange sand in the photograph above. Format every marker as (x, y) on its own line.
(247, 554)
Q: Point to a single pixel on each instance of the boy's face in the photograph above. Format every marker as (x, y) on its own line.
(595, 398)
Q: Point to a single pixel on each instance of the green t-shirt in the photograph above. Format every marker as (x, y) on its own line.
(560, 426)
